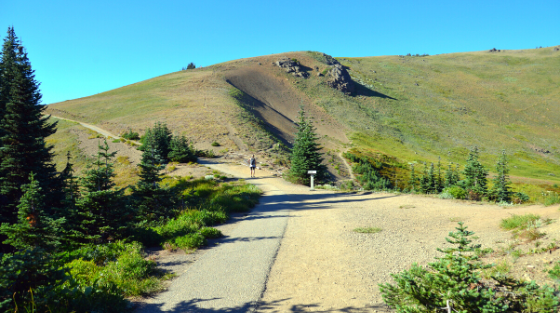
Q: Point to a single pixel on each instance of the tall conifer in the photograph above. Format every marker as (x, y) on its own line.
(475, 174)
(152, 201)
(305, 153)
(23, 132)
(501, 189)
(102, 215)
(34, 229)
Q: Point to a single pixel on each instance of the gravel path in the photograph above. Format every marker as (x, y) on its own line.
(231, 276)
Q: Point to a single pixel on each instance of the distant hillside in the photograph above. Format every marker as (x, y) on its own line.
(410, 108)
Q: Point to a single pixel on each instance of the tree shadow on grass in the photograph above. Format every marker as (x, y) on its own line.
(203, 306)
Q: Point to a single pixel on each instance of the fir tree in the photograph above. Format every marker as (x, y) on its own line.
(181, 151)
(475, 175)
(24, 129)
(425, 181)
(34, 227)
(432, 181)
(152, 201)
(305, 153)
(102, 215)
(451, 177)
(439, 178)
(413, 180)
(159, 138)
(501, 189)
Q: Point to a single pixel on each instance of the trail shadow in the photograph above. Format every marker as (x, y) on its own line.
(203, 306)
(366, 92)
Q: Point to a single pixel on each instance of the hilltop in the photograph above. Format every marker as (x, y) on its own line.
(403, 108)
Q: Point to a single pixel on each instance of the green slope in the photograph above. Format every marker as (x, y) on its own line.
(443, 105)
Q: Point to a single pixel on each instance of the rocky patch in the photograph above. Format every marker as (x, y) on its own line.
(291, 66)
(340, 79)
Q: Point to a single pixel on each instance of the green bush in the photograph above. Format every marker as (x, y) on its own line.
(129, 273)
(456, 192)
(210, 232)
(452, 277)
(215, 144)
(551, 198)
(190, 241)
(130, 135)
(519, 222)
(520, 197)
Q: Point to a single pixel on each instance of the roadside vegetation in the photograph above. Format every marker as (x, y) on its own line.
(74, 243)
(454, 282)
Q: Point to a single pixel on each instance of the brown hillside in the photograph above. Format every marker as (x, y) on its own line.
(197, 103)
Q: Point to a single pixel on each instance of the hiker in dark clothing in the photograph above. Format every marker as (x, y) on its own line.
(252, 165)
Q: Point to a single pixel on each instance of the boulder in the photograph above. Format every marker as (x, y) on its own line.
(291, 66)
(340, 79)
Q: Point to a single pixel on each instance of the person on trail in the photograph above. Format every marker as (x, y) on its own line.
(252, 165)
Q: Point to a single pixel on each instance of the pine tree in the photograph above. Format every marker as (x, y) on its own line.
(501, 189)
(432, 181)
(102, 215)
(34, 229)
(152, 201)
(181, 151)
(305, 154)
(451, 178)
(475, 175)
(24, 129)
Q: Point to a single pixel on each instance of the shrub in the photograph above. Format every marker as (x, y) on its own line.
(130, 135)
(551, 198)
(190, 241)
(519, 222)
(456, 192)
(210, 232)
(455, 279)
(215, 144)
(520, 197)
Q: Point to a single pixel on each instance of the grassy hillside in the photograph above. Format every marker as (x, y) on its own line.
(411, 108)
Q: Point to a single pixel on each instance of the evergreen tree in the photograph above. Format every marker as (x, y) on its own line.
(413, 180)
(305, 153)
(439, 178)
(501, 189)
(475, 175)
(24, 129)
(34, 227)
(102, 214)
(425, 181)
(181, 151)
(191, 66)
(158, 138)
(432, 181)
(152, 201)
(451, 177)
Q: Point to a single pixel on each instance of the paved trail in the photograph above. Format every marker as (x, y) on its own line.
(231, 277)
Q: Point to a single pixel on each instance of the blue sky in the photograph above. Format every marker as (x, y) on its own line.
(80, 48)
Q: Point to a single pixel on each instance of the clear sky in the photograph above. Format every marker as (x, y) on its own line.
(80, 48)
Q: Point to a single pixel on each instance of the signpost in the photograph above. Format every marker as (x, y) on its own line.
(312, 173)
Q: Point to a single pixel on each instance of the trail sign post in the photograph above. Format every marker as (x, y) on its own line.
(312, 173)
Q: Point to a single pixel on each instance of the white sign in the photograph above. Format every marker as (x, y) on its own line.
(311, 172)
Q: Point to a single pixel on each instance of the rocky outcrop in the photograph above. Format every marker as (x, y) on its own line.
(340, 79)
(291, 66)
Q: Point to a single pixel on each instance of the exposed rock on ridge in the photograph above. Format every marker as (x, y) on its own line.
(340, 79)
(291, 66)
